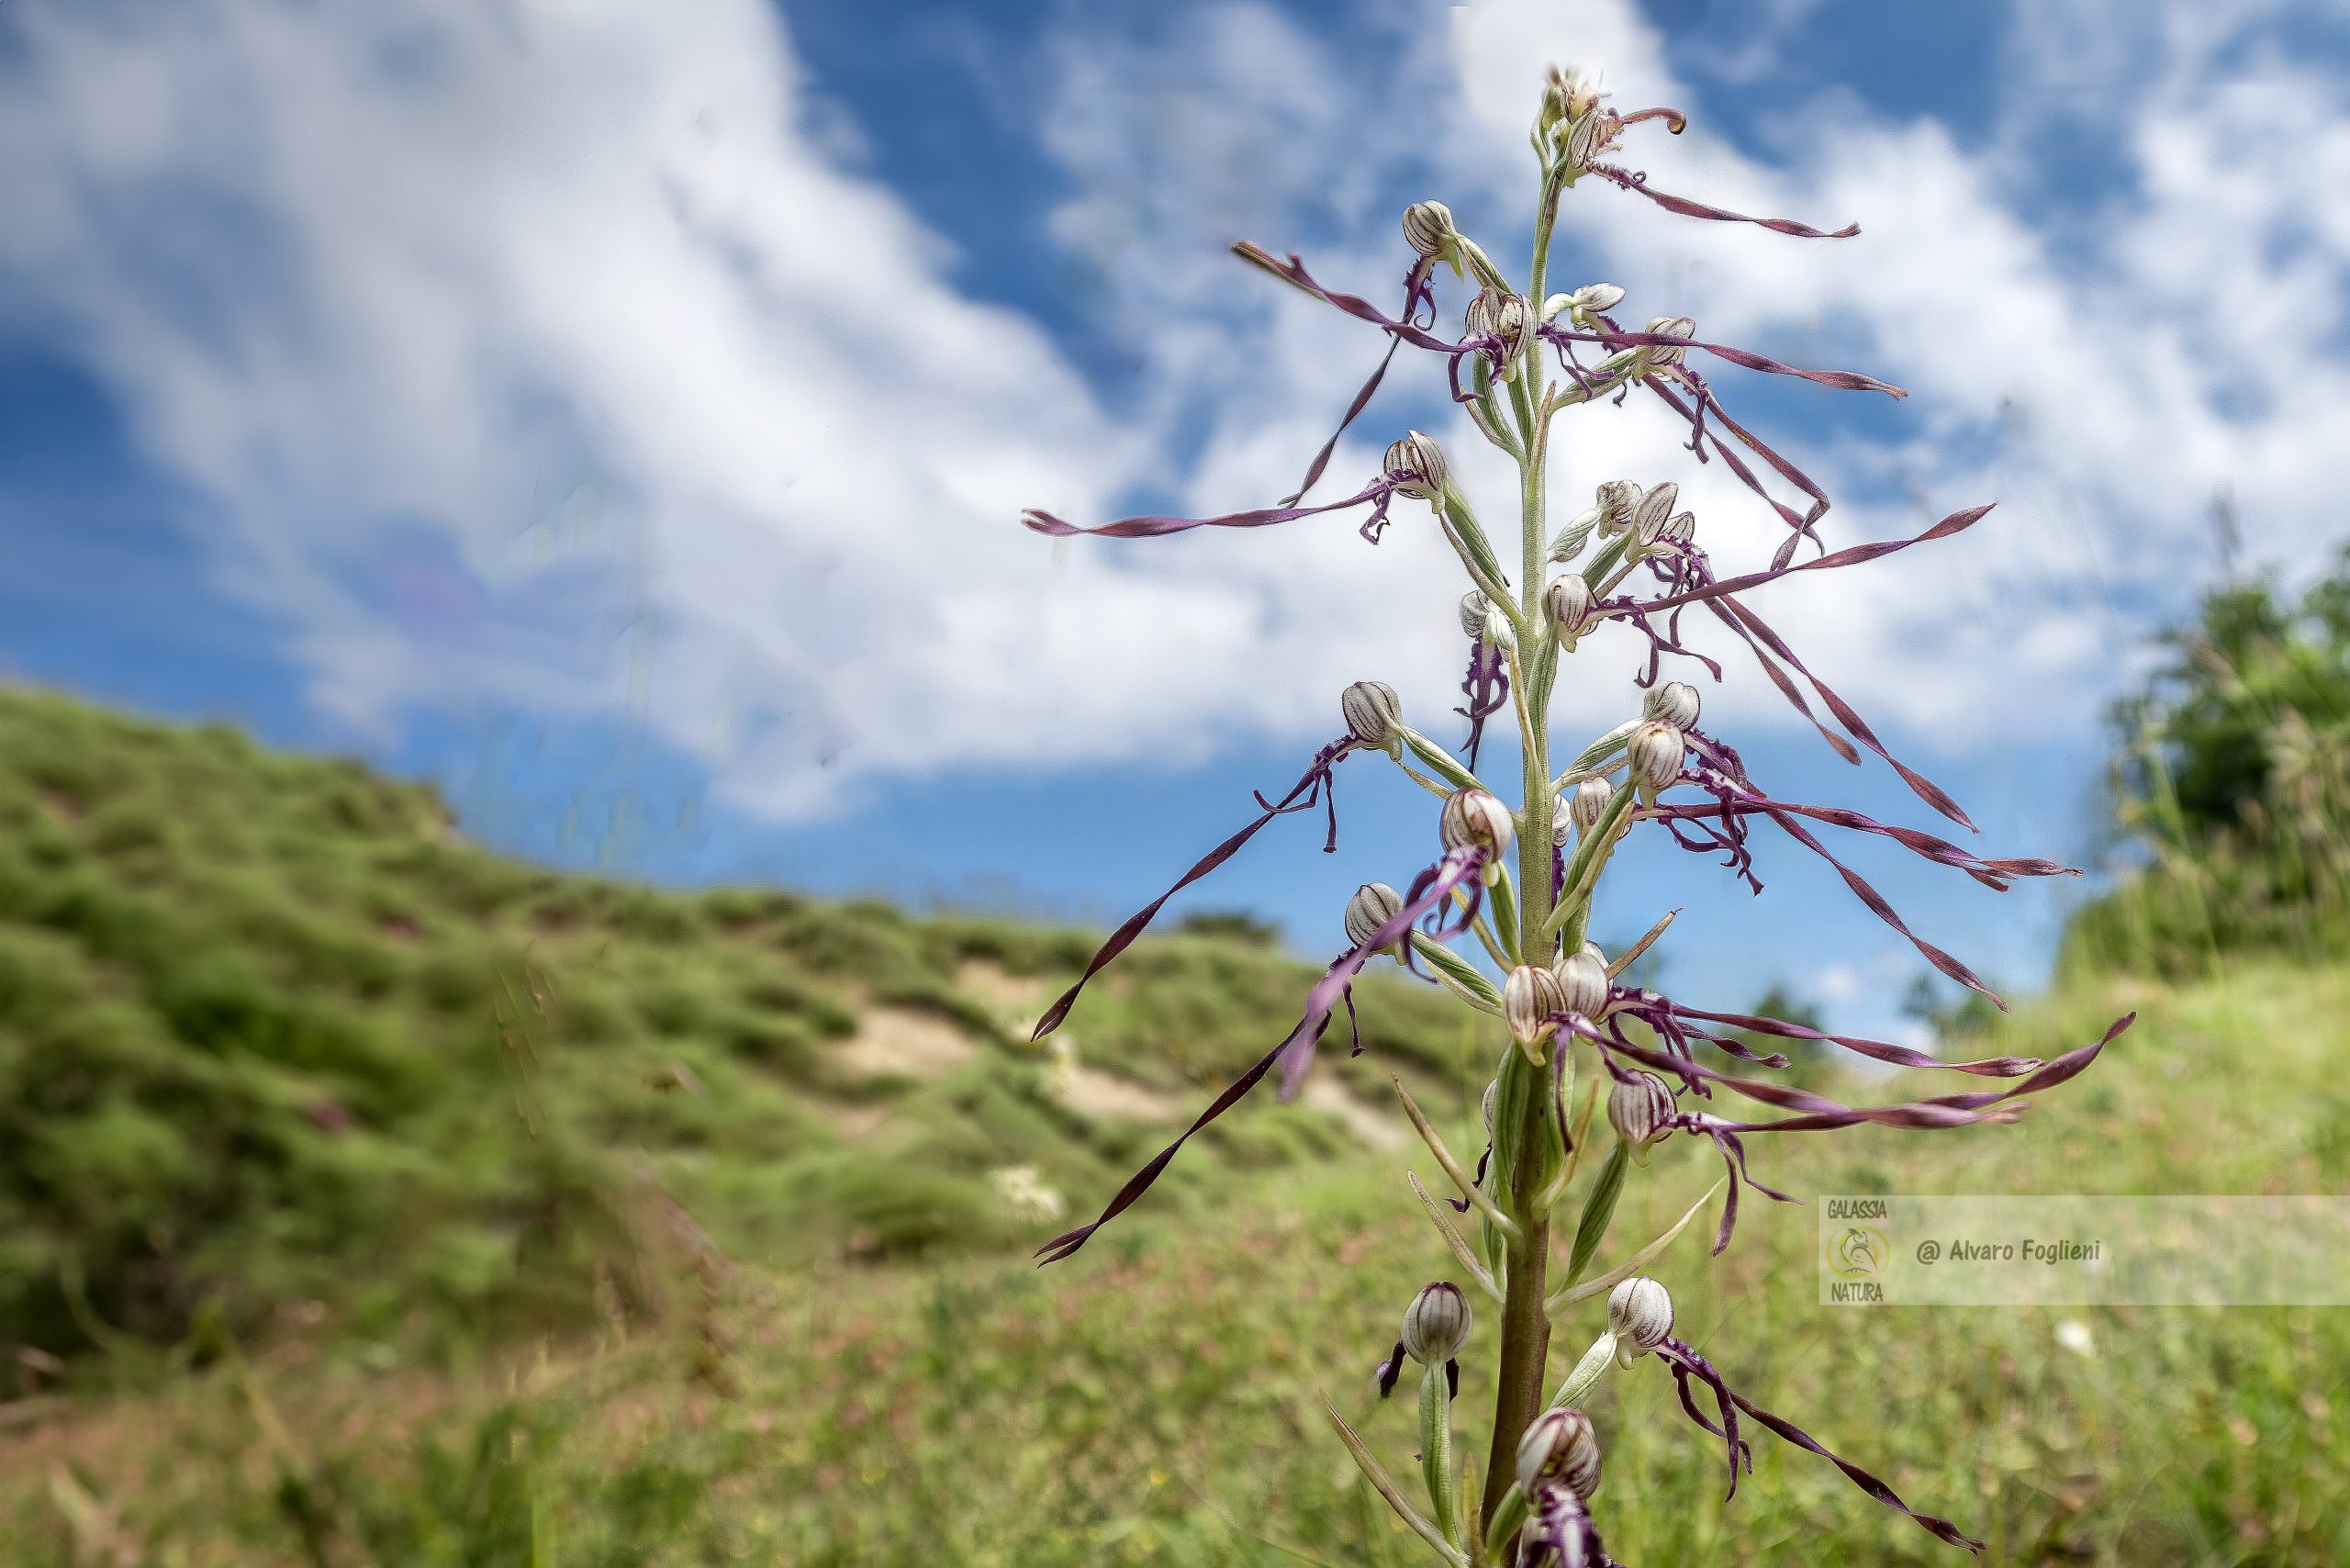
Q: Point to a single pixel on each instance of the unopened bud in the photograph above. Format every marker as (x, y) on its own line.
(1559, 1449)
(1416, 466)
(1616, 499)
(1531, 1001)
(1475, 608)
(1428, 229)
(1680, 529)
(1496, 312)
(1372, 711)
(1596, 298)
(1374, 905)
(1583, 984)
(1674, 703)
(1590, 136)
(1591, 802)
(1473, 817)
(1639, 1314)
(1567, 602)
(1437, 1324)
(1648, 517)
(1568, 542)
(1641, 1110)
(1669, 327)
(1655, 754)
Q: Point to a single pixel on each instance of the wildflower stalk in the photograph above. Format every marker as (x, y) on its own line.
(1525, 1326)
(1560, 999)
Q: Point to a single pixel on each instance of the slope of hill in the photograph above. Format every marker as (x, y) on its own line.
(273, 1038)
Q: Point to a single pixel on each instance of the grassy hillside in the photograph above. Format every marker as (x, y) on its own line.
(276, 1039)
(1153, 1401)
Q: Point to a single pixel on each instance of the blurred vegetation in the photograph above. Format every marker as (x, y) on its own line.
(2233, 778)
(367, 1199)
(273, 1038)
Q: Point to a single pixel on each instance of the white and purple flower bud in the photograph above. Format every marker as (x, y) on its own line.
(1437, 1324)
(1617, 498)
(1559, 1449)
(1674, 703)
(1498, 313)
(1669, 327)
(1591, 135)
(1374, 713)
(1595, 300)
(1648, 518)
(1583, 984)
(1416, 464)
(1680, 529)
(1567, 602)
(1374, 905)
(1641, 1112)
(1428, 229)
(1655, 752)
(1532, 999)
(1639, 1314)
(1475, 816)
(1591, 802)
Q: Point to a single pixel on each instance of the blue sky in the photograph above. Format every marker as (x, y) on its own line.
(619, 414)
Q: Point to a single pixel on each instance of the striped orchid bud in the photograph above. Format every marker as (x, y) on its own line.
(1559, 1449)
(1583, 984)
(1428, 229)
(1567, 602)
(1655, 751)
(1591, 802)
(1373, 711)
(1617, 499)
(1639, 1314)
(1594, 298)
(1475, 611)
(1669, 327)
(1680, 529)
(1498, 313)
(1531, 1001)
(1648, 518)
(1590, 136)
(1437, 1324)
(1473, 817)
(1416, 467)
(1674, 703)
(1374, 905)
(1641, 1110)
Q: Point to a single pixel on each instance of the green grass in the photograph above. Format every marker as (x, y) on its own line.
(1155, 1401)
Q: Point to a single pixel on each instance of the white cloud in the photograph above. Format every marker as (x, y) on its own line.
(556, 354)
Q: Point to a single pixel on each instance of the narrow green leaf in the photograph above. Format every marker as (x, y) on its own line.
(1597, 1210)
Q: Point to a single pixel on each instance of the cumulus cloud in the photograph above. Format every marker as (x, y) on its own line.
(561, 356)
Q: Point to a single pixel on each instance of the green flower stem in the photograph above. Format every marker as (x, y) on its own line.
(1533, 1137)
